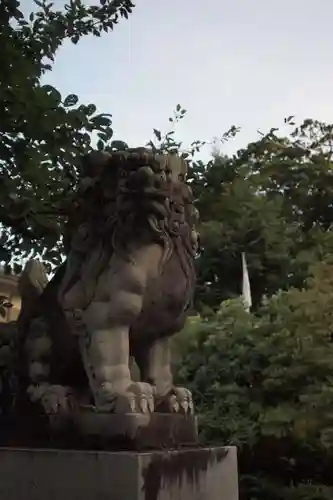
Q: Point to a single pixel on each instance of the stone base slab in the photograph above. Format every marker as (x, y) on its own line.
(157, 430)
(102, 431)
(188, 474)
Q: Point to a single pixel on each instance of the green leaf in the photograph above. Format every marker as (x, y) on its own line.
(100, 145)
(90, 109)
(71, 100)
(157, 134)
(17, 268)
(52, 92)
(101, 120)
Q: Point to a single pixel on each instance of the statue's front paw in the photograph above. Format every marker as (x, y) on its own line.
(143, 396)
(137, 398)
(54, 399)
(178, 400)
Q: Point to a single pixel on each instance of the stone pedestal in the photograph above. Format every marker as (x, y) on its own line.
(186, 474)
(91, 430)
(138, 431)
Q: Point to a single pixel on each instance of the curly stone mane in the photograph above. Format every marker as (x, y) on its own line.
(126, 199)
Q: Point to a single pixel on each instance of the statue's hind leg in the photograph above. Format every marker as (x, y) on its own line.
(41, 362)
(45, 385)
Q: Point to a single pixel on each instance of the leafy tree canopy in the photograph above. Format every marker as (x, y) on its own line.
(272, 200)
(42, 133)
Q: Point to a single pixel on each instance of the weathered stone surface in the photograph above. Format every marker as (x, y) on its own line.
(194, 474)
(104, 431)
(157, 430)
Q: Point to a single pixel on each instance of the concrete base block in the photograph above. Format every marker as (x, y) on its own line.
(186, 474)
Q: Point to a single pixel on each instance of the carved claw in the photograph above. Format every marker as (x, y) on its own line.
(184, 398)
(138, 398)
(55, 399)
(179, 400)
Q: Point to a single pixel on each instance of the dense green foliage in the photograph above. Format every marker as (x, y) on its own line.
(265, 383)
(272, 200)
(42, 133)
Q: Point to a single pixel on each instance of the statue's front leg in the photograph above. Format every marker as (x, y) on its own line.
(105, 345)
(154, 362)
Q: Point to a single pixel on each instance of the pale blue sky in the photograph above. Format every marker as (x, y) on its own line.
(243, 62)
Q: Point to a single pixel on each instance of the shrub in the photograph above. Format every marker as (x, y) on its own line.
(264, 383)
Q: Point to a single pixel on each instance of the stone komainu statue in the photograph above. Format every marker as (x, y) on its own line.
(124, 290)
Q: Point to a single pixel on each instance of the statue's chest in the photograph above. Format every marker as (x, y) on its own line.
(165, 301)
